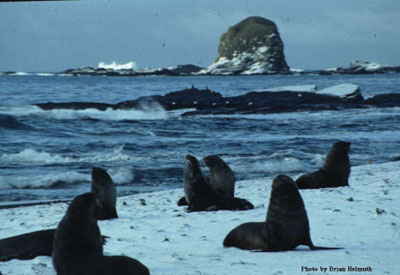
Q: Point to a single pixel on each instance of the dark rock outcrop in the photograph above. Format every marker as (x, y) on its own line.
(179, 70)
(210, 102)
(357, 67)
(252, 46)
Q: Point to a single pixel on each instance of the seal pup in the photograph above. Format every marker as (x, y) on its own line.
(201, 196)
(335, 171)
(78, 247)
(286, 225)
(222, 177)
(106, 194)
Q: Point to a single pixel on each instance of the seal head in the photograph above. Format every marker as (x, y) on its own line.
(106, 194)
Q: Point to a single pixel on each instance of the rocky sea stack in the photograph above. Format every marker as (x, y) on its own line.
(252, 46)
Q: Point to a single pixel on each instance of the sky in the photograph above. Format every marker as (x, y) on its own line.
(55, 36)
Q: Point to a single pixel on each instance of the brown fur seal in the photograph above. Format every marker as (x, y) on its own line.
(334, 173)
(286, 225)
(106, 194)
(222, 177)
(201, 196)
(77, 238)
(78, 248)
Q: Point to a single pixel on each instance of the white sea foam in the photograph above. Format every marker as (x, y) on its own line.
(271, 166)
(44, 74)
(154, 111)
(42, 181)
(20, 73)
(121, 174)
(115, 66)
(33, 156)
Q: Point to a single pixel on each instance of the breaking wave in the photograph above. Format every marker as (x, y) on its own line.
(33, 156)
(153, 112)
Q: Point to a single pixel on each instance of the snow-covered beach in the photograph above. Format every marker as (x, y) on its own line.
(361, 218)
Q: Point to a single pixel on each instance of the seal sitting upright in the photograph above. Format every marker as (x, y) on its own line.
(222, 177)
(106, 194)
(77, 239)
(202, 197)
(334, 173)
(286, 225)
(78, 248)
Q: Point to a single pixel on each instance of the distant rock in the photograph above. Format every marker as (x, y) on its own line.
(179, 70)
(205, 102)
(252, 46)
(358, 67)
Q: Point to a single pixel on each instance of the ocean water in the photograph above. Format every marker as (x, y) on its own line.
(48, 155)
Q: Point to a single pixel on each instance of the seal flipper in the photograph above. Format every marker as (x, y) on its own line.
(229, 203)
(182, 201)
(312, 247)
(27, 246)
(309, 243)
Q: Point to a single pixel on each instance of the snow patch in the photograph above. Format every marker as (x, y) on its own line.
(342, 90)
(115, 66)
(169, 240)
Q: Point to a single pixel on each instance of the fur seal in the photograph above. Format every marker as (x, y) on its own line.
(222, 177)
(286, 225)
(106, 194)
(335, 171)
(202, 197)
(78, 248)
(77, 238)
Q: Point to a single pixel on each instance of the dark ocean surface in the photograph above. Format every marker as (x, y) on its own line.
(48, 155)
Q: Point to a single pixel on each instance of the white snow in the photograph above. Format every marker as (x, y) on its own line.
(115, 66)
(293, 88)
(169, 240)
(366, 65)
(247, 63)
(342, 90)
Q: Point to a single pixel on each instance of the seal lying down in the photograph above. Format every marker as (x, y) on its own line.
(203, 197)
(285, 228)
